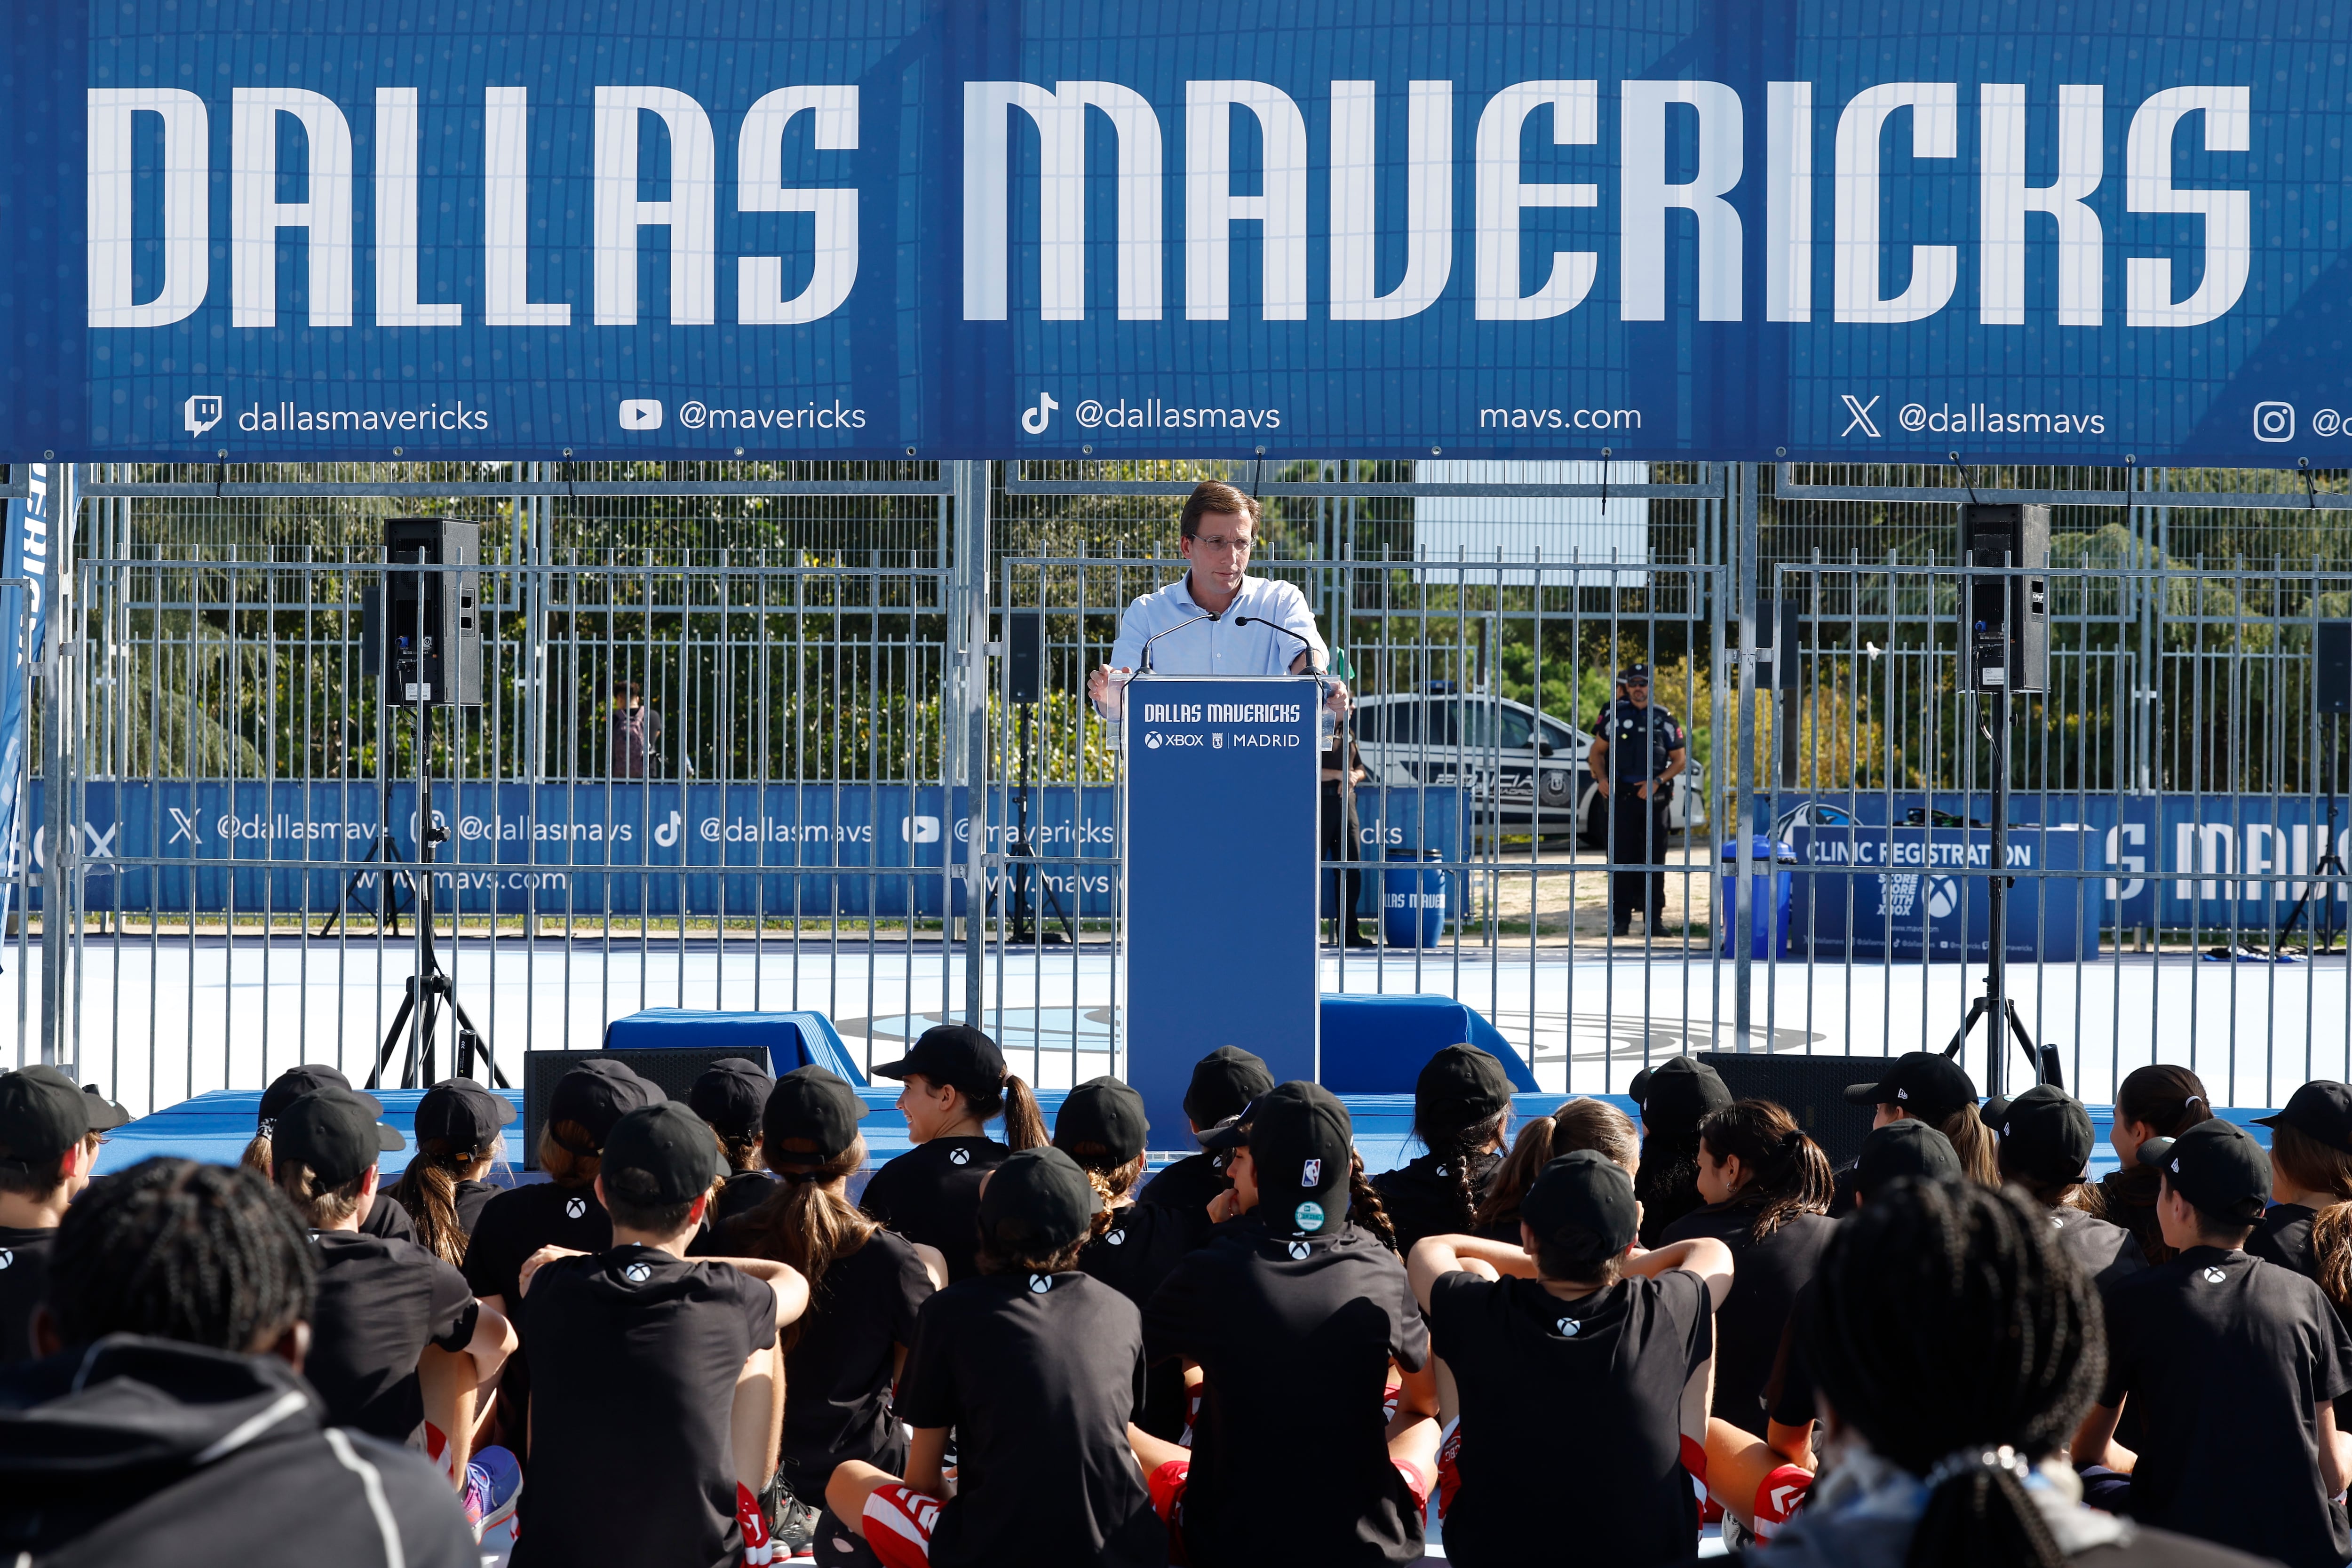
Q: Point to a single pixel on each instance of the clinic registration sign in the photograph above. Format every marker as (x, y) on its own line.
(2106, 232)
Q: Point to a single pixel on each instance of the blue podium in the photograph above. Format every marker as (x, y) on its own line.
(1218, 930)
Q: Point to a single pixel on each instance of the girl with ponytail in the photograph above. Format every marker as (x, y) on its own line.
(1134, 1246)
(1956, 1347)
(2309, 1228)
(1461, 1111)
(1767, 1189)
(390, 1220)
(442, 1189)
(1586, 1123)
(956, 1083)
(865, 1285)
(2151, 1102)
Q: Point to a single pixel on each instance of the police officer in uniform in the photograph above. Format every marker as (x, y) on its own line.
(1635, 759)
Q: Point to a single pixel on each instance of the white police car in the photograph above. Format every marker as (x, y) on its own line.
(1526, 770)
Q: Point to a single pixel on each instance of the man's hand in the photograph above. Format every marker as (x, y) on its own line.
(1602, 781)
(545, 1255)
(1334, 697)
(1647, 786)
(1099, 692)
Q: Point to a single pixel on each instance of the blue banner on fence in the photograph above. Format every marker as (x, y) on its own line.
(741, 851)
(25, 558)
(473, 228)
(2222, 862)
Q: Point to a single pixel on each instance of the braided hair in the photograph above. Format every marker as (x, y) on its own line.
(1462, 1151)
(1364, 1207)
(1961, 1341)
(1789, 1174)
(208, 1255)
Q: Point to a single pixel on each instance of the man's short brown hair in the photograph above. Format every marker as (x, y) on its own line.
(1216, 497)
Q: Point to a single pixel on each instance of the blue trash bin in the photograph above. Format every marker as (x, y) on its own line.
(1772, 937)
(1412, 900)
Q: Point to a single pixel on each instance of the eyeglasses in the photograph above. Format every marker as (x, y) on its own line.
(1218, 542)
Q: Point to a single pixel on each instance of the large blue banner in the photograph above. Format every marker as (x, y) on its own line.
(743, 851)
(24, 557)
(2104, 231)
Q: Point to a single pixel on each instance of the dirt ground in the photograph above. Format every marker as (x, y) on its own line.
(1565, 891)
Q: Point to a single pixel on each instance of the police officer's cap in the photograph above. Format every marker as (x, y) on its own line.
(1634, 672)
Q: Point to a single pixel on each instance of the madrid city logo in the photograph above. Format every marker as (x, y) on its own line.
(201, 413)
(1035, 420)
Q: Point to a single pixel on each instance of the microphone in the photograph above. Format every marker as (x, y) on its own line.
(1285, 631)
(1180, 625)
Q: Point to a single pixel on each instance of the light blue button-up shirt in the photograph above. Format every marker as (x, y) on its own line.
(1219, 647)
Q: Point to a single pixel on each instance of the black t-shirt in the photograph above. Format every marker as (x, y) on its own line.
(379, 1303)
(2227, 1357)
(1586, 1393)
(1191, 1183)
(1764, 1280)
(1039, 1374)
(1423, 1198)
(472, 1198)
(516, 1224)
(23, 1281)
(2129, 1198)
(2107, 1252)
(2283, 1235)
(388, 1219)
(635, 1357)
(1788, 1391)
(1290, 1452)
(1144, 1244)
(930, 1194)
(838, 1373)
(744, 1191)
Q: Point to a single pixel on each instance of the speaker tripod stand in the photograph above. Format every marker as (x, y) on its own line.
(1996, 1008)
(2328, 868)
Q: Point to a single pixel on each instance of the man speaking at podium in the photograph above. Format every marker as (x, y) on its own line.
(1216, 619)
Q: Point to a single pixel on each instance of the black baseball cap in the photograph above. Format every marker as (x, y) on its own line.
(659, 1155)
(335, 1131)
(1678, 1092)
(1632, 672)
(43, 1113)
(596, 1094)
(731, 1095)
(2044, 1133)
(462, 1111)
(2320, 1110)
(1928, 1085)
(1583, 1203)
(1301, 1140)
(1038, 1200)
(812, 1105)
(1103, 1111)
(954, 1054)
(1906, 1148)
(2218, 1167)
(1462, 1084)
(294, 1083)
(1223, 1082)
(104, 1113)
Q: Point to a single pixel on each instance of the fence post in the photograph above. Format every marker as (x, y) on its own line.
(57, 795)
(971, 499)
(1744, 914)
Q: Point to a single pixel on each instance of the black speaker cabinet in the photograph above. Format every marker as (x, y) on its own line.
(422, 629)
(1025, 654)
(2006, 618)
(2332, 678)
(1810, 1089)
(674, 1070)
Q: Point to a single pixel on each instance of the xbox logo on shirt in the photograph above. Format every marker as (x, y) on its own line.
(1115, 1239)
(1567, 1327)
(2215, 1277)
(1040, 1283)
(7, 1258)
(1299, 1251)
(637, 1273)
(959, 1157)
(575, 1208)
